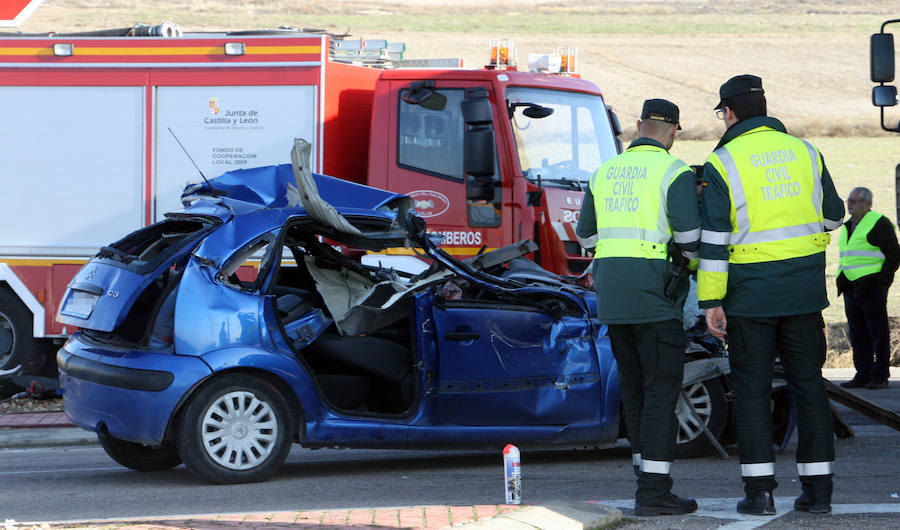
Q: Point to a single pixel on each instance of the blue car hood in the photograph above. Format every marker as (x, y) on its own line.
(244, 190)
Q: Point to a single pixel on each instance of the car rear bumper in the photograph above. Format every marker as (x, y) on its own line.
(133, 394)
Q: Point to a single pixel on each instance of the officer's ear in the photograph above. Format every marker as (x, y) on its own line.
(638, 125)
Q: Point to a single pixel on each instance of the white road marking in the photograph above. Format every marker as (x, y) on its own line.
(726, 508)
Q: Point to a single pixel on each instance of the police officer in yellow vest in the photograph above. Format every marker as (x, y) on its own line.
(636, 204)
(869, 257)
(766, 208)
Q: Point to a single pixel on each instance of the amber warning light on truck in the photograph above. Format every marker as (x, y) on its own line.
(503, 54)
(562, 61)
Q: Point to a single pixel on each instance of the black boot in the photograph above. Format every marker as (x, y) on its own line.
(671, 505)
(761, 504)
(803, 504)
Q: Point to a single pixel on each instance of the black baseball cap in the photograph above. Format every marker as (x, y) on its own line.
(662, 110)
(739, 85)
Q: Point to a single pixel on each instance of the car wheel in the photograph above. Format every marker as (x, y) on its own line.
(137, 456)
(17, 345)
(235, 429)
(708, 399)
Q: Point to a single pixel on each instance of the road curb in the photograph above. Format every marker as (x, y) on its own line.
(558, 515)
(19, 438)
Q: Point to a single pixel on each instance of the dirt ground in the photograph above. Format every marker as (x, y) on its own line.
(839, 354)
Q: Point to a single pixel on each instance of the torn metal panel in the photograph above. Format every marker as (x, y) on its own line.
(210, 315)
(308, 192)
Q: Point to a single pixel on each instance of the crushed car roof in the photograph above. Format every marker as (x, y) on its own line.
(245, 190)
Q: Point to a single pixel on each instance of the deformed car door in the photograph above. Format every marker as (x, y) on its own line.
(514, 365)
(219, 296)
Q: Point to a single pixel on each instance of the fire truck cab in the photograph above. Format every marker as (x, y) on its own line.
(492, 156)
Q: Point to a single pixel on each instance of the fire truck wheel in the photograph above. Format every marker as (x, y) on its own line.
(708, 400)
(236, 429)
(17, 345)
(137, 456)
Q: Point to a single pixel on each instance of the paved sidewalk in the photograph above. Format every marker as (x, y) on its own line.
(362, 518)
(557, 516)
(34, 420)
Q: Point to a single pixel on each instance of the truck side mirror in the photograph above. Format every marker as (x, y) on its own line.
(884, 96)
(478, 140)
(479, 189)
(478, 152)
(881, 58)
(476, 110)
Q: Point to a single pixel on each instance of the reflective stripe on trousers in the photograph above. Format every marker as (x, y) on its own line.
(765, 469)
(655, 466)
(809, 469)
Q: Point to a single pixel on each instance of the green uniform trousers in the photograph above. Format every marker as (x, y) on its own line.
(650, 358)
(799, 341)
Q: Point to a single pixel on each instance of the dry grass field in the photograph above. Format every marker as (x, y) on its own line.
(812, 56)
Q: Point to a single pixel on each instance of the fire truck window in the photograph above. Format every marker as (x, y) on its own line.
(431, 141)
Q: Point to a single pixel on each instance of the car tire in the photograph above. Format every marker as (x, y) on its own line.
(236, 429)
(137, 456)
(17, 344)
(708, 399)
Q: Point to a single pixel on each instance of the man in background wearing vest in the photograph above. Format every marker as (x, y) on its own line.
(636, 204)
(869, 257)
(768, 202)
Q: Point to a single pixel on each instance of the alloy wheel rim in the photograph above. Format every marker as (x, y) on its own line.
(239, 430)
(7, 340)
(688, 426)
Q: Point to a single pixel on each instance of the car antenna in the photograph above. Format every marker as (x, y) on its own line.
(191, 159)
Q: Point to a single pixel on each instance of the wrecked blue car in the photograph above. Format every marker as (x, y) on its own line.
(235, 327)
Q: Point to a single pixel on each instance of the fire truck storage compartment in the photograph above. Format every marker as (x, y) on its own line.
(224, 128)
(72, 167)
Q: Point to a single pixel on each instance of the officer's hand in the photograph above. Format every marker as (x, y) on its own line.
(716, 322)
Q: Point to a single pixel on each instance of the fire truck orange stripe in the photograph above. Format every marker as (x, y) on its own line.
(165, 50)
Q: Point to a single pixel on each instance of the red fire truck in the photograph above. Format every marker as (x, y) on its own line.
(92, 124)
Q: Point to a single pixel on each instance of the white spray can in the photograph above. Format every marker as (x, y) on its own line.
(512, 473)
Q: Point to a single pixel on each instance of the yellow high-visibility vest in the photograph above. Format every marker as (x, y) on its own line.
(630, 194)
(859, 257)
(775, 184)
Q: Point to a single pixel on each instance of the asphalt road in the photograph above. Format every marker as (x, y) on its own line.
(78, 483)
